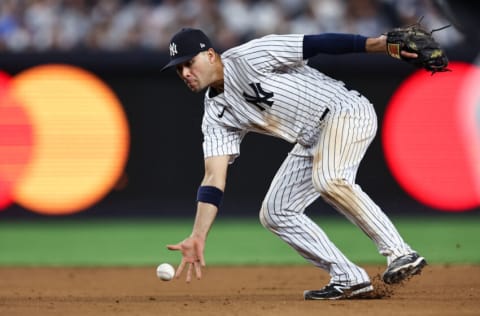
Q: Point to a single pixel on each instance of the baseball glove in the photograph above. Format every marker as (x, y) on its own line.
(415, 39)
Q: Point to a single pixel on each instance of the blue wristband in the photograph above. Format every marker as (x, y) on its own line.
(210, 194)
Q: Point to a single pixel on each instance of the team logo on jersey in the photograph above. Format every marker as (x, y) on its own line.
(220, 115)
(173, 49)
(261, 99)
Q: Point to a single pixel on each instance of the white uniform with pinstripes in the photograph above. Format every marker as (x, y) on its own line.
(332, 128)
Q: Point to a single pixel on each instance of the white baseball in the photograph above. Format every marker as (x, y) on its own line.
(165, 271)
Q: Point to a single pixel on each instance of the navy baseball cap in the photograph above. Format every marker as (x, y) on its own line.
(185, 45)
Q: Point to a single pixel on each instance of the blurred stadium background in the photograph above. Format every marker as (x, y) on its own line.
(91, 130)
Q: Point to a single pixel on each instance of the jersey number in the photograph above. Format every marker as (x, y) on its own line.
(261, 99)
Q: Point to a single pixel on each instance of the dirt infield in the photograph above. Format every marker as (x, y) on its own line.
(440, 290)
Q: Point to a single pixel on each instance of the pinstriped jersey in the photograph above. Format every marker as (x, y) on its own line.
(269, 89)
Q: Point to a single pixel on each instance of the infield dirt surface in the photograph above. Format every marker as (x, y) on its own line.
(264, 290)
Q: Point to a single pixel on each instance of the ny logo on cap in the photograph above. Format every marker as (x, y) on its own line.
(173, 49)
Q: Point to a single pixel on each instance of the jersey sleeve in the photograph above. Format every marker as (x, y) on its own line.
(272, 51)
(221, 141)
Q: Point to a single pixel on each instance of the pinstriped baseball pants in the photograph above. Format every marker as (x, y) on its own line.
(330, 172)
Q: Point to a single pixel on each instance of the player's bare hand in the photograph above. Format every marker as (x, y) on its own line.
(192, 256)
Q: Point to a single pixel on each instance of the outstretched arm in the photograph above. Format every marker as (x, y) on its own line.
(337, 43)
(209, 197)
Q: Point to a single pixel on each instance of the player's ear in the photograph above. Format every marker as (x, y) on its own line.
(212, 55)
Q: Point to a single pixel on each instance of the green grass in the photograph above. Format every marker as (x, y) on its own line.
(136, 242)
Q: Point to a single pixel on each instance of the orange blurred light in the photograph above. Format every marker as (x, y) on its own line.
(81, 139)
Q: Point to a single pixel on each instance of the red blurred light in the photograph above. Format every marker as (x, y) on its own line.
(425, 144)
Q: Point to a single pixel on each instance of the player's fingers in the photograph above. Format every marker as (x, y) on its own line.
(180, 269)
(198, 270)
(408, 54)
(199, 251)
(174, 247)
(202, 260)
(189, 273)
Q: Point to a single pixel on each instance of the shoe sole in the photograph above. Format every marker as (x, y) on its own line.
(404, 272)
(345, 295)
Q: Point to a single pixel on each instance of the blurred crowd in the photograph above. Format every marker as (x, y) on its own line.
(119, 25)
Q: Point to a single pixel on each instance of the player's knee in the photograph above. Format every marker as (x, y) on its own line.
(270, 216)
(265, 219)
(333, 189)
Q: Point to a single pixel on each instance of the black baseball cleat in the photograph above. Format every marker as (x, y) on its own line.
(335, 291)
(403, 268)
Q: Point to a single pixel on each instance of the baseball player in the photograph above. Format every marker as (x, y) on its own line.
(266, 86)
